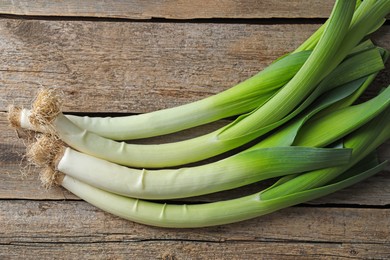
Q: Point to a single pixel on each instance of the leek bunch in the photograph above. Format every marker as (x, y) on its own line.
(301, 113)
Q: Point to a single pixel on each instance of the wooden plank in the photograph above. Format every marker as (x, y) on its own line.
(71, 228)
(169, 250)
(74, 218)
(184, 9)
(374, 191)
(138, 67)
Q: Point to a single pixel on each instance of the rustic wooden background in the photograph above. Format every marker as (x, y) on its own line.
(124, 57)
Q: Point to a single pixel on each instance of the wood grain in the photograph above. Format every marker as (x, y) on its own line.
(139, 67)
(71, 228)
(183, 9)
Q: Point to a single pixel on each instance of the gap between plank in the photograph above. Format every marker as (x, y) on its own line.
(215, 20)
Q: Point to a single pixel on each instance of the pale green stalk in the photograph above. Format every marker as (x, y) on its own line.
(201, 215)
(232, 172)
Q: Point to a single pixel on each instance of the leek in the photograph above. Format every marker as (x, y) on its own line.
(201, 215)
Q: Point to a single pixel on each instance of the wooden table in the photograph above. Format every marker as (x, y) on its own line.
(128, 57)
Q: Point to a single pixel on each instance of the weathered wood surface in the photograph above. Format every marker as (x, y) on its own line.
(124, 66)
(138, 67)
(291, 233)
(183, 9)
(134, 67)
